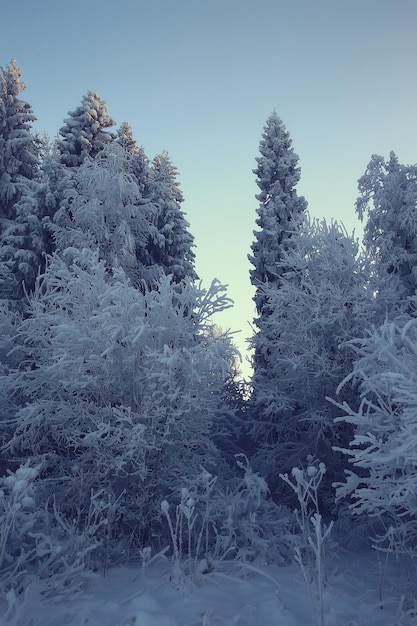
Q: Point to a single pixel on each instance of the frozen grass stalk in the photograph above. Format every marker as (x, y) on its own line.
(311, 554)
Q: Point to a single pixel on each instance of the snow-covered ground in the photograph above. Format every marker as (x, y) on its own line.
(362, 591)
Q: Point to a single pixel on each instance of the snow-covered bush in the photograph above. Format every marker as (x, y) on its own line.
(118, 391)
(250, 520)
(36, 541)
(103, 209)
(10, 358)
(142, 230)
(17, 519)
(218, 524)
(383, 451)
(388, 199)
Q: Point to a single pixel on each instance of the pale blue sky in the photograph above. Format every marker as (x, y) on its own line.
(199, 78)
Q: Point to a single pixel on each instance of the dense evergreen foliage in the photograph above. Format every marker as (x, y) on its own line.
(20, 239)
(302, 353)
(84, 131)
(124, 424)
(280, 209)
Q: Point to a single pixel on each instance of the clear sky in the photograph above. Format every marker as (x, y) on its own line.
(200, 77)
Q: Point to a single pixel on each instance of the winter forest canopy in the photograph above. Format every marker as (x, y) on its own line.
(125, 426)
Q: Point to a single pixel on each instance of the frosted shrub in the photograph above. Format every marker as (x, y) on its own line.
(218, 524)
(18, 518)
(388, 194)
(383, 451)
(190, 531)
(118, 393)
(103, 209)
(9, 359)
(253, 524)
(38, 542)
(143, 231)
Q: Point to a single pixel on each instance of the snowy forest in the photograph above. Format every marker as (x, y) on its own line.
(127, 433)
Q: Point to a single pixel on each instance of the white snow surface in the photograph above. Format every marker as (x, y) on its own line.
(362, 590)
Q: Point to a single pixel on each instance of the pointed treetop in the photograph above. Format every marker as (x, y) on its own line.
(19, 149)
(126, 140)
(280, 211)
(164, 174)
(171, 244)
(83, 133)
(138, 162)
(277, 165)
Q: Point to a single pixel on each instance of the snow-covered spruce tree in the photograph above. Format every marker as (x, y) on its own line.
(18, 147)
(389, 202)
(138, 162)
(23, 246)
(19, 153)
(103, 208)
(381, 483)
(280, 216)
(118, 393)
(280, 210)
(322, 302)
(83, 133)
(32, 236)
(170, 243)
(124, 137)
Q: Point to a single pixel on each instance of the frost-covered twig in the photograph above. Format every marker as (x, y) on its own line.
(311, 554)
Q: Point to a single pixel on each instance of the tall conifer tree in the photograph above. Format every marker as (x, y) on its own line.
(19, 155)
(280, 215)
(18, 147)
(170, 245)
(280, 208)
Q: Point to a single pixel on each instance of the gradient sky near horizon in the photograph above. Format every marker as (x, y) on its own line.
(199, 79)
